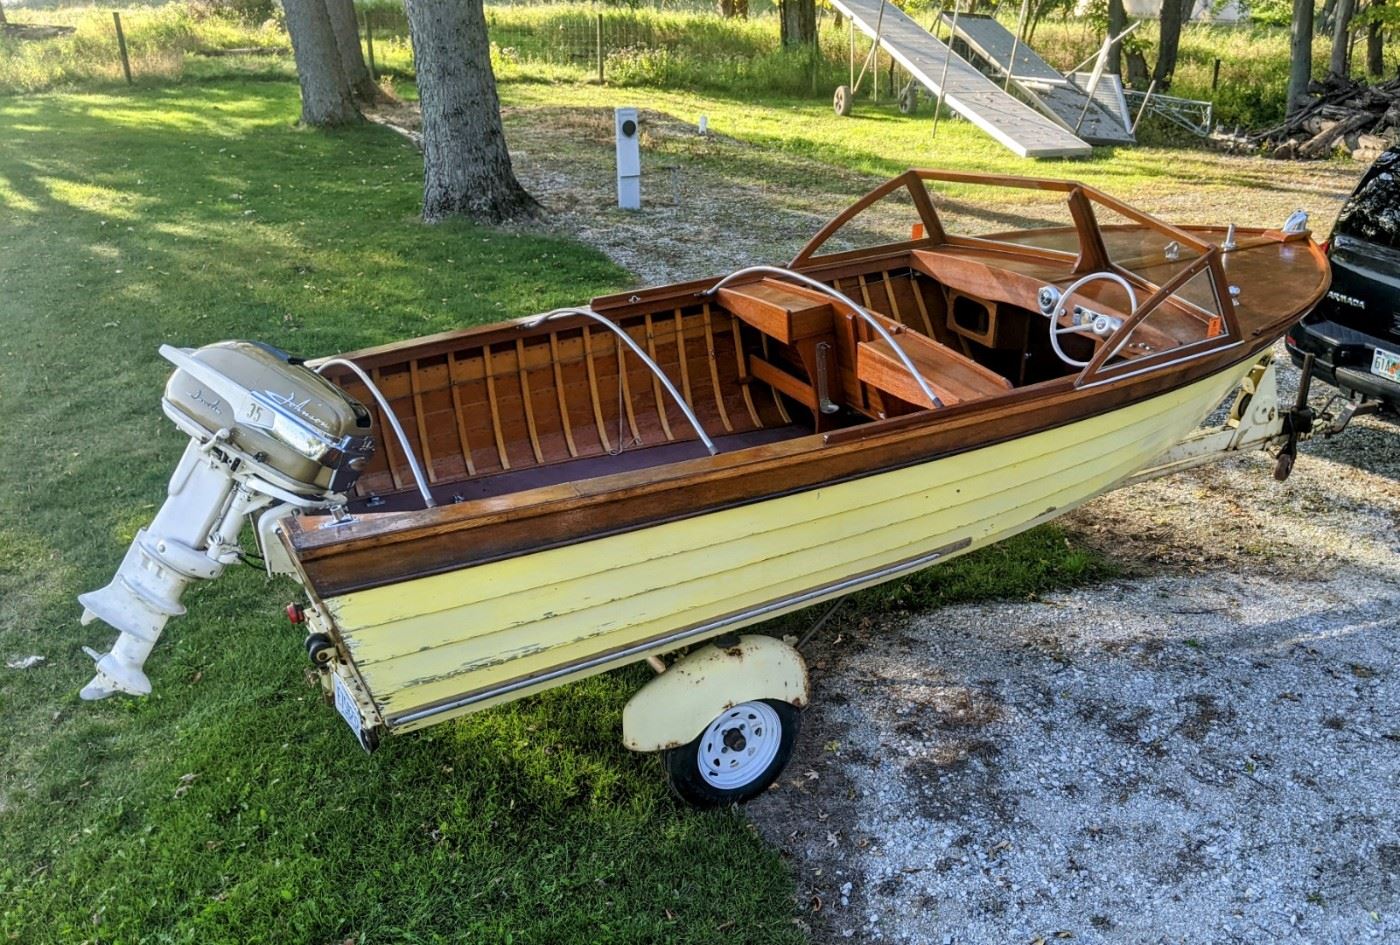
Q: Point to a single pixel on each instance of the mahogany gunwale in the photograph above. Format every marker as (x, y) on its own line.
(433, 541)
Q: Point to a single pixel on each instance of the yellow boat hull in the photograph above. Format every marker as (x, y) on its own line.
(431, 648)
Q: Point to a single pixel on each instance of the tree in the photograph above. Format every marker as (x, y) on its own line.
(1117, 23)
(326, 98)
(734, 8)
(1341, 38)
(466, 167)
(347, 39)
(1323, 23)
(799, 22)
(3, 21)
(1300, 53)
(1173, 13)
(1375, 39)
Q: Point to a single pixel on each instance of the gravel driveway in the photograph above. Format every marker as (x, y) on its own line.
(1205, 751)
(1208, 752)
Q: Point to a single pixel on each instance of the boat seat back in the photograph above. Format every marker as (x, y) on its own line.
(954, 377)
(781, 310)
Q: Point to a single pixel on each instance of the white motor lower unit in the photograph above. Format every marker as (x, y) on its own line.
(268, 436)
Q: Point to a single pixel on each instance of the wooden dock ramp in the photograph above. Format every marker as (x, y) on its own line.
(965, 90)
(1061, 98)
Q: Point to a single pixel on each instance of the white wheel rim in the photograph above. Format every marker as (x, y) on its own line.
(739, 745)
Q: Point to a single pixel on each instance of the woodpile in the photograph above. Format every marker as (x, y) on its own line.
(1358, 119)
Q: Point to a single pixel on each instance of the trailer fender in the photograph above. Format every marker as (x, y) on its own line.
(675, 707)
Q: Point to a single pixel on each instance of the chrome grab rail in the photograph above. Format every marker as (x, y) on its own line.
(618, 330)
(841, 297)
(420, 480)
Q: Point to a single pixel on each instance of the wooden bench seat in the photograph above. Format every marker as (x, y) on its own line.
(954, 377)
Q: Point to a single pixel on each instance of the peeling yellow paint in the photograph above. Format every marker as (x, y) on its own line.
(429, 640)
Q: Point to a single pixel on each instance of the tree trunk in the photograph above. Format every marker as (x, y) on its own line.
(466, 167)
(1300, 53)
(1323, 23)
(2, 14)
(1173, 12)
(1117, 23)
(734, 8)
(1341, 37)
(1137, 70)
(799, 22)
(1375, 43)
(326, 98)
(347, 39)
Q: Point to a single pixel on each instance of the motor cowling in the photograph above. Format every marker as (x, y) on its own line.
(265, 431)
(284, 417)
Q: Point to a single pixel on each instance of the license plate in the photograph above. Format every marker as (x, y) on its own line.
(1386, 364)
(345, 704)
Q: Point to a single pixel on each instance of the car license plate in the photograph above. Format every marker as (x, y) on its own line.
(1386, 364)
(345, 704)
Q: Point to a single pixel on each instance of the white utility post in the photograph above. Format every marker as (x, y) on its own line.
(629, 159)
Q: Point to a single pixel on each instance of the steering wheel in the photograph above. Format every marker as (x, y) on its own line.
(1052, 304)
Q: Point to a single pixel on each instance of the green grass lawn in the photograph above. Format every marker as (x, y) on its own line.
(878, 140)
(231, 806)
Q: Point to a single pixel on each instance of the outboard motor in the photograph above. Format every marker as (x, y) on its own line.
(268, 436)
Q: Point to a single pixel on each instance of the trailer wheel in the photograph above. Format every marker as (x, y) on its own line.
(737, 757)
(909, 100)
(842, 102)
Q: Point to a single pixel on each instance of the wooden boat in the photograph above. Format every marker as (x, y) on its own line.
(565, 494)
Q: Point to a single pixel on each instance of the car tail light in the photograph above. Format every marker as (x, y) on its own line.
(1327, 246)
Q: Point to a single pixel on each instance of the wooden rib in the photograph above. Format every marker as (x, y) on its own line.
(388, 436)
(743, 370)
(559, 387)
(656, 390)
(459, 413)
(864, 292)
(527, 400)
(777, 397)
(714, 370)
(593, 390)
(894, 304)
(680, 354)
(626, 390)
(923, 306)
(495, 408)
(421, 423)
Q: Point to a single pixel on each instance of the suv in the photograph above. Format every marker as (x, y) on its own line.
(1355, 330)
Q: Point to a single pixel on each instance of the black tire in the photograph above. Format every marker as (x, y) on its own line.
(691, 784)
(320, 649)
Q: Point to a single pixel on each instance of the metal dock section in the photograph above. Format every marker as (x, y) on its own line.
(1059, 97)
(964, 89)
